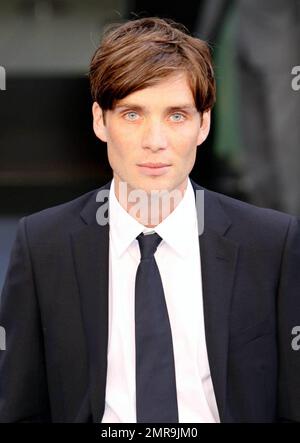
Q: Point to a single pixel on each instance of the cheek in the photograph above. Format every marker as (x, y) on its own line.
(116, 146)
(122, 141)
(196, 136)
(185, 144)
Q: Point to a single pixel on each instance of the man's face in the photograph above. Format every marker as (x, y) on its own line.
(156, 125)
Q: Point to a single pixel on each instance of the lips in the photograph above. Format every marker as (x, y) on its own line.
(154, 165)
(154, 169)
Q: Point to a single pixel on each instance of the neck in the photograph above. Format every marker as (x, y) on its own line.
(149, 208)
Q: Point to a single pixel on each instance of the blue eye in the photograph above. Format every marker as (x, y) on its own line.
(178, 117)
(132, 116)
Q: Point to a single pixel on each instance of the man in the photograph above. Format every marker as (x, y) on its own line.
(112, 322)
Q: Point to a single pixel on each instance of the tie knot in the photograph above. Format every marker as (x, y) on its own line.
(148, 244)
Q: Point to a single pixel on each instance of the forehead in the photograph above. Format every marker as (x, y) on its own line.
(171, 91)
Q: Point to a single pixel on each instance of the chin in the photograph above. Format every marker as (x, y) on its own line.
(156, 184)
(152, 184)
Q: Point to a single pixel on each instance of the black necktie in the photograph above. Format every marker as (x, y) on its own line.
(156, 398)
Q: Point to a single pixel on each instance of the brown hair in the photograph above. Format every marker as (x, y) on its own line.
(140, 53)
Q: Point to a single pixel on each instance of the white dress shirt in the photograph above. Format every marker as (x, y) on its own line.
(178, 260)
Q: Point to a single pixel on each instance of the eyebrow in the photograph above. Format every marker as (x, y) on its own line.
(185, 107)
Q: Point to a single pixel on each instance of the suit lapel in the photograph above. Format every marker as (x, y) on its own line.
(218, 259)
(218, 262)
(90, 246)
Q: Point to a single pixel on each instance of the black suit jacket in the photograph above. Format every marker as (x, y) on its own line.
(54, 307)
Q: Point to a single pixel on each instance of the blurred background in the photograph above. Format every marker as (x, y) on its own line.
(48, 151)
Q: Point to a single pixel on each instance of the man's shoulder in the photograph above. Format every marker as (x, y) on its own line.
(249, 223)
(59, 220)
(70, 209)
(240, 208)
(245, 218)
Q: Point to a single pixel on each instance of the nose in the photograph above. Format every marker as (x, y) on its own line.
(154, 136)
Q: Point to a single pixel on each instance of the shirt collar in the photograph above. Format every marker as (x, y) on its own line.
(175, 230)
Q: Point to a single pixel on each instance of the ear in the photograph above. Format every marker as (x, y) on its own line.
(205, 126)
(98, 122)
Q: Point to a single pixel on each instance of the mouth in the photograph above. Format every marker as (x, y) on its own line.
(154, 168)
(154, 165)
